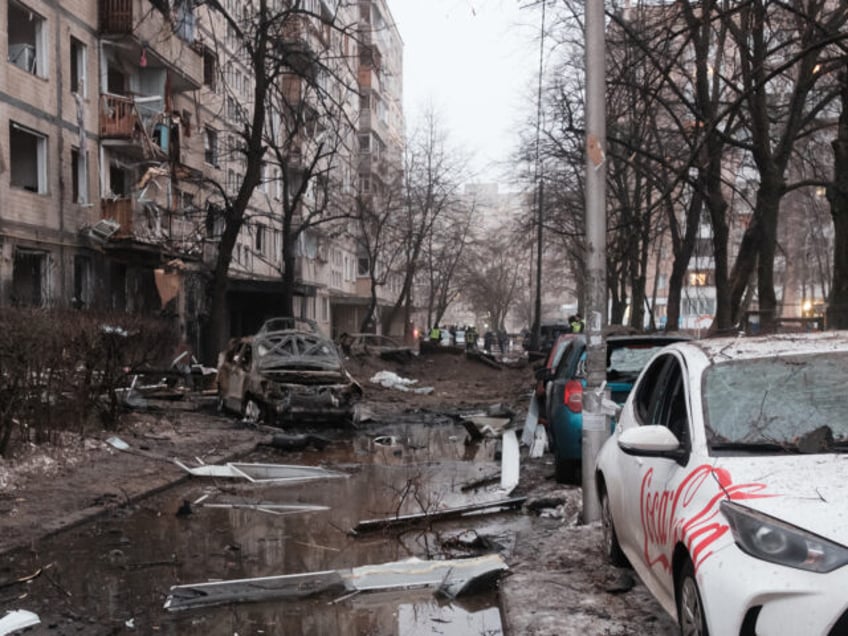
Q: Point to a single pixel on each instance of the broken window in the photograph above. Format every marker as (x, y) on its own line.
(363, 266)
(82, 282)
(78, 67)
(29, 278)
(79, 176)
(210, 146)
(26, 39)
(119, 181)
(118, 286)
(28, 154)
(210, 68)
(116, 80)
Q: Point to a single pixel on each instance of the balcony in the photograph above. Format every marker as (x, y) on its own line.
(118, 116)
(120, 210)
(162, 40)
(116, 17)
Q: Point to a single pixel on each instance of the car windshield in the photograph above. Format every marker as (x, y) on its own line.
(792, 403)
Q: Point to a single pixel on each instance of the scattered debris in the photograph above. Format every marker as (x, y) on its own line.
(481, 483)
(371, 525)
(292, 442)
(121, 445)
(540, 443)
(624, 582)
(485, 358)
(540, 503)
(392, 380)
(290, 586)
(530, 422)
(510, 461)
(453, 577)
(23, 579)
(480, 426)
(470, 541)
(261, 472)
(16, 620)
(271, 508)
(386, 440)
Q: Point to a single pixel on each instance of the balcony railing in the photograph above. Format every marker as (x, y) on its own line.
(116, 16)
(121, 210)
(118, 116)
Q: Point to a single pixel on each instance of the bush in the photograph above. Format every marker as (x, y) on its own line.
(63, 370)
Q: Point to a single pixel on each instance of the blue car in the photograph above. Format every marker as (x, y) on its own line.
(626, 356)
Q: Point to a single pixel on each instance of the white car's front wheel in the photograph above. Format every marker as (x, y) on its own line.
(690, 607)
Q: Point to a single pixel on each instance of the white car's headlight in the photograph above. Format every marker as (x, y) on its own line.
(773, 540)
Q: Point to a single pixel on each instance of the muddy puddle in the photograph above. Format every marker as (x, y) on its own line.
(113, 575)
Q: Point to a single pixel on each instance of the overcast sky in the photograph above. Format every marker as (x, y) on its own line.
(476, 61)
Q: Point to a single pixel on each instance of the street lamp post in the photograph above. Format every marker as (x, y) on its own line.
(595, 422)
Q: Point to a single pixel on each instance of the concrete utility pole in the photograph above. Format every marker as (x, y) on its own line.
(535, 336)
(595, 422)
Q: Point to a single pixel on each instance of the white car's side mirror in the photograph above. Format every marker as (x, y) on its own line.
(648, 440)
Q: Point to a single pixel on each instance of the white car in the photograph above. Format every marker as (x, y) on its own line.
(725, 484)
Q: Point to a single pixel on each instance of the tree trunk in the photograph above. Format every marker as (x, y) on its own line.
(682, 256)
(837, 194)
(758, 243)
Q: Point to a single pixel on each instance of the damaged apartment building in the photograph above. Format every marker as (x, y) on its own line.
(119, 145)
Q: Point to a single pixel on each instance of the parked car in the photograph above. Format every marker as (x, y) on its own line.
(283, 323)
(363, 344)
(724, 485)
(286, 376)
(625, 356)
(548, 333)
(544, 374)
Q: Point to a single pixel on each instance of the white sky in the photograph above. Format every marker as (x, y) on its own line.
(476, 62)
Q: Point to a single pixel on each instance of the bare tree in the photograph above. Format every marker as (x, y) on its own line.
(379, 241)
(837, 194)
(783, 59)
(432, 176)
(443, 255)
(491, 277)
(271, 45)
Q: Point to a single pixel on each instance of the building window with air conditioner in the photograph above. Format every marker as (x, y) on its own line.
(26, 36)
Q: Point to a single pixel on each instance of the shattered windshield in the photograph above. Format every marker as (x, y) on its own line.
(792, 403)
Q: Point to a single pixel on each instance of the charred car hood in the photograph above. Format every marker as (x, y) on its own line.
(807, 491)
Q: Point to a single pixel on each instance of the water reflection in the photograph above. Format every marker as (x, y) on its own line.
(120, 568)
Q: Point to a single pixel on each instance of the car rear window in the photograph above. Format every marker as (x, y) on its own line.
(629, 359)
(776, 400)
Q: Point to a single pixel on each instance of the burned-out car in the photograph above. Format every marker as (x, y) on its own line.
(286, 377)
(364, 344)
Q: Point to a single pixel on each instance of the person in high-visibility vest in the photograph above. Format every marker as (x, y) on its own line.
(435, 335)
